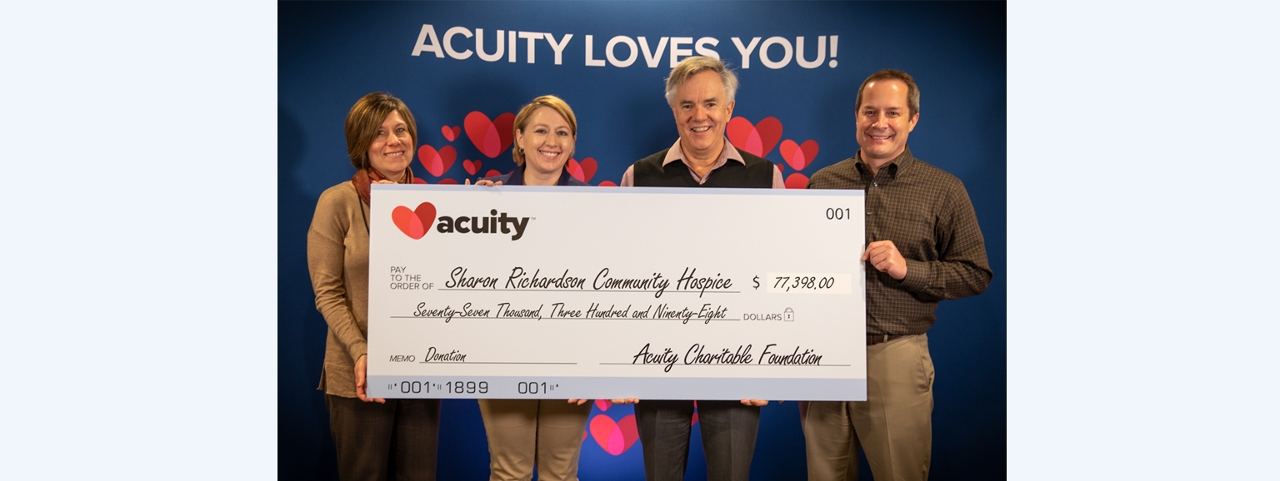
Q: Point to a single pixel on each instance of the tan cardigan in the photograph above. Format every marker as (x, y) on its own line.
(338, 258)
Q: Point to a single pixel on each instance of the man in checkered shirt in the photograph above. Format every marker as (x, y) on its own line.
(923, 245)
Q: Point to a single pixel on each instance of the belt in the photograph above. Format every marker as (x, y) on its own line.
(873, 339)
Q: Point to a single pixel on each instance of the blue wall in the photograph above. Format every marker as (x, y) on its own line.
(330, 54)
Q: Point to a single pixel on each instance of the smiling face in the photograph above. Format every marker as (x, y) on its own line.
(884, 120)
(392, 147)
(702, 110)
(547, 141)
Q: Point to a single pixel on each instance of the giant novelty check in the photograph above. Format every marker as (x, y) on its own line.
(597, 293)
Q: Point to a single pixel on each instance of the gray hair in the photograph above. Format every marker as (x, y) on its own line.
(695, 65)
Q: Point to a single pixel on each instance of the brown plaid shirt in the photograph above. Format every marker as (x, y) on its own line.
(927, 214)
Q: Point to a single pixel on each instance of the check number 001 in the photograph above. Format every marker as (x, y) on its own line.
(837, 213)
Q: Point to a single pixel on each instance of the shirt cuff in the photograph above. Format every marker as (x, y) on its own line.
(917, 275)
(358, 349)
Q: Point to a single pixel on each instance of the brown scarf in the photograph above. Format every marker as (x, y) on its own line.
(366, 177)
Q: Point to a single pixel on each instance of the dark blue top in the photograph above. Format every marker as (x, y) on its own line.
(516, 177)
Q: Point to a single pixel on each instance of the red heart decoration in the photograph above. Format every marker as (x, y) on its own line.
(797, 181)
(437, 162)
(584, 170)
(608, 183)
(447, 182)
(450, 133)
(492, 137)
(798, 156)
(758, 139)
(615, 437)
(419, 180)
(492, 173)
(414, 223)
(471, 166)
(603, 404)
(779, 166)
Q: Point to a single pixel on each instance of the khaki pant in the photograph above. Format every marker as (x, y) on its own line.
(525, 432)
(893, 426)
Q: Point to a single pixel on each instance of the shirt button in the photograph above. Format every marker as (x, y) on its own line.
(875, 184)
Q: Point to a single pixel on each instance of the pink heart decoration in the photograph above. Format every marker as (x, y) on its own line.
(471, 166)
(614, 437)
(798, 156)
(797, 181)
(758, 139)
(437, 162)
(450, 133)
(414, 223)
(584, 170)
(492, 137)
(603, 404)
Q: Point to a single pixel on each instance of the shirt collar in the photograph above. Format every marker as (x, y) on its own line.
(729, 152)
(894, 167)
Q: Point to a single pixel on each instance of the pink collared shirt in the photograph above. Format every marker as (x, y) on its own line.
(729, 152)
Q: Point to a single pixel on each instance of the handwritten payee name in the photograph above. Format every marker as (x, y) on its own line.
(520, 279)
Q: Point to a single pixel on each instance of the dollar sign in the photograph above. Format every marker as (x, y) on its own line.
(756, 280)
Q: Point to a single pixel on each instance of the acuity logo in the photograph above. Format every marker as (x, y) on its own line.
(417, 222)
(414, 223)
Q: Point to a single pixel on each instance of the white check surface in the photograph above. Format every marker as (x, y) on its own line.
(592, 292)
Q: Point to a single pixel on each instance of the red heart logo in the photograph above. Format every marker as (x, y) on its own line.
(584, 170)
(797, 181)
(471, 166)
(414, 223)
(758, 139)
(491, 137)
(450, 133)
(437, 162)
(608, 183)
(615, 437)
(798, 156)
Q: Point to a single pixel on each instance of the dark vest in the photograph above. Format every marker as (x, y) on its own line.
(649, 172)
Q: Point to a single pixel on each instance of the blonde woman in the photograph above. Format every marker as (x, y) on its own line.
(546, 433)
